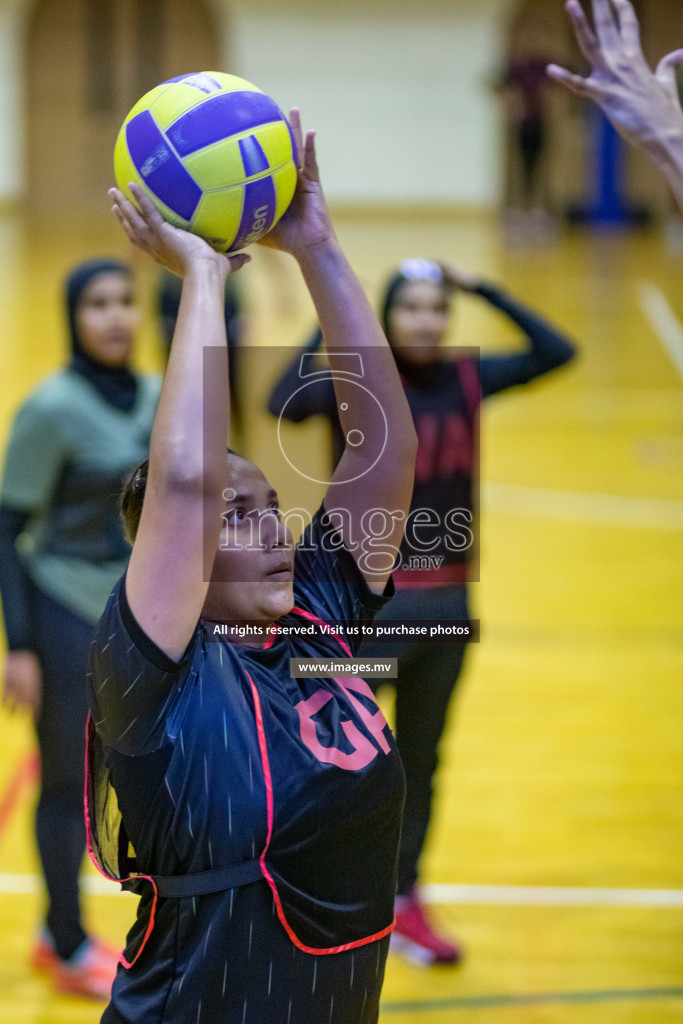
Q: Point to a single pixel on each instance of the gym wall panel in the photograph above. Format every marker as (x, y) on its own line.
(398, 92)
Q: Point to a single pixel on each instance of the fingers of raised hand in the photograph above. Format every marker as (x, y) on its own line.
(605, 24)
(310, 167)
(628, 23)
(131, 219)
(118, 212)
(295, 125)
(575, 83)
(127, 210)
(585, 37)
(237, 261)
(666, 71)
(147, 208)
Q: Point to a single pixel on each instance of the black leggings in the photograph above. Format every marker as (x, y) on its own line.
(61, 642)
(531, 139)
(427, 674)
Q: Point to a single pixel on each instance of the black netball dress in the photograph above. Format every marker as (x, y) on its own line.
(263, 809)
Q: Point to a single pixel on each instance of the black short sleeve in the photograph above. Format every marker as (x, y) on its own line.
(136, 691)
(327, 580)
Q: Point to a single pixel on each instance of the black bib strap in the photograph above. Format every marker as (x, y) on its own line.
(201, 882)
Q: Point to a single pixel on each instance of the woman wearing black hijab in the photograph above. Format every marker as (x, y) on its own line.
(444, 389)
(72, 442)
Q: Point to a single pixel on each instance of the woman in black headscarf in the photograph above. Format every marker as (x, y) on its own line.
(438, 556)
(72, 442)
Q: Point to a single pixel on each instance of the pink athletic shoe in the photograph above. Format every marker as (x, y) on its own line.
(88, 973)
(43, 956)
(416, 939)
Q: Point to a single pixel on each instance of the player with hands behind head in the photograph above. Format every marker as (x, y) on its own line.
(263, 838)
(444, 389)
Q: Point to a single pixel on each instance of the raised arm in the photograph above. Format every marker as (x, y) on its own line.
(376, 471)
(294, 402)
(643, 106)
(174, 549)
(547, 347)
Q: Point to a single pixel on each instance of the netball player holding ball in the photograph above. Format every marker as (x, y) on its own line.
(263, 810)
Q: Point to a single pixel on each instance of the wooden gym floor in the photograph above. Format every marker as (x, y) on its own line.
(556, 852)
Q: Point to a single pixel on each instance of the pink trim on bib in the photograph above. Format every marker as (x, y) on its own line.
(262, 860)
(93, 858)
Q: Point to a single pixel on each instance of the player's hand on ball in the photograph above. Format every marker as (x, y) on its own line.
(306, 223)
(173, 248)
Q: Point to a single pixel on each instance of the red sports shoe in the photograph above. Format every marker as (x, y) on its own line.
(88, 973)
(43, 956)
(415, 938)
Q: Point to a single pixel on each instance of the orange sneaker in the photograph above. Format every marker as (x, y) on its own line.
(89, 972)
(43, 956)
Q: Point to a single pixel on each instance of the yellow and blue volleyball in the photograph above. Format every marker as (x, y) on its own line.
(215, 155)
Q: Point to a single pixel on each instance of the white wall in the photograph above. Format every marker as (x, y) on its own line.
(13, 18)
(396, 88)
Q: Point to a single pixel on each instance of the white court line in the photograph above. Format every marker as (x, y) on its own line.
(21, 884)
(485, 895)
(551, 896)
(663, 321)
(578, 507)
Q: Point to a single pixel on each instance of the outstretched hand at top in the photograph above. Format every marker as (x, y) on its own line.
(306, 222)
(643, 106)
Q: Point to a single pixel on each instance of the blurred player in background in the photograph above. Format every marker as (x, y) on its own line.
(444, 395)
(526, 95)
(72, 442)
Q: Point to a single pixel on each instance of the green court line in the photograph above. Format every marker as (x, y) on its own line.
(531, 999)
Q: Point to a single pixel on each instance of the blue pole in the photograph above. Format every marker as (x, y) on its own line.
(607, 205)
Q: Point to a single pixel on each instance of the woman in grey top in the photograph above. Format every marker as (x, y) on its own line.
(72, 442)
